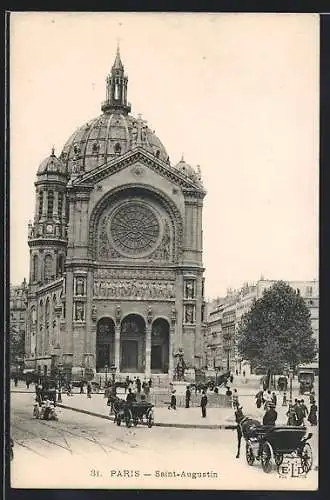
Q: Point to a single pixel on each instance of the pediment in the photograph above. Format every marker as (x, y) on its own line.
(137, 157)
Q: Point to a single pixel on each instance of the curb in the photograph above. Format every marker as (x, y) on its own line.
(156, 424)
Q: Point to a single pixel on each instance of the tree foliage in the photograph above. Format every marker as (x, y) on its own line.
(17, 344)
(277, 330)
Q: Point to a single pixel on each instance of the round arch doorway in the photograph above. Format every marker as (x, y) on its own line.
(132, 344)
(160, 335)
(105, 343)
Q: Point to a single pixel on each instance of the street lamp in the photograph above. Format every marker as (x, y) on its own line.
(291, 377)
(59, 396)
(113, 373)
(106, 374)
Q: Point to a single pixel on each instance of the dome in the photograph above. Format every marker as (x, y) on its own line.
(51, 165)
(106, 137)
(189, 171)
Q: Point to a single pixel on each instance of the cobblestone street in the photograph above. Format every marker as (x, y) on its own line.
(90, 452)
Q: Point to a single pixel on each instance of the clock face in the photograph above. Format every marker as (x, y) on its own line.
(49, 228)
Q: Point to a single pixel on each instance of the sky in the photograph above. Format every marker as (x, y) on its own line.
(237, 94)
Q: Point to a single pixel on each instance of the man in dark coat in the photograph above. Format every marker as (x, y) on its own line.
(138, 385)
(173, 401)
(270, 416)
(204, 403)
(299, 412)
(188, 396)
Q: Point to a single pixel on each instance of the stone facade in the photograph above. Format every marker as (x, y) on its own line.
(116, 250)
(224, 317)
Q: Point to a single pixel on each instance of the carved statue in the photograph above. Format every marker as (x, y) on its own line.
(180, 367)
(149, 315)
(80, 286)
(189, 316)
(79, 312)
(118, 314)
(173, 316)
(94, 312)
(190, 289)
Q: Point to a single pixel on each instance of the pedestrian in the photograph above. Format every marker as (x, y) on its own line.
(15, 381)
(188, 396)
(284, 402)
(150, 383)
(204, 403)
(231, 378)
(89, 390)
(270, 416)
(274, 398)
(267, 396)
(236, 371)
(259, 399)
(235, 399)
(299, 412)
(312, 398)
(138, 385)
(243, 373)
(228, 392)
(82, 387)
(291, 414)
(304, 408)
(173, 401)
(312, 417)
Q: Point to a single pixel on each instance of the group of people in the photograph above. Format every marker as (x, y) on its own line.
(203, 402)
(298, 412)
(266, 398)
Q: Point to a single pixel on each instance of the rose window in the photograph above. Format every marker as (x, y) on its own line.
(134, 229)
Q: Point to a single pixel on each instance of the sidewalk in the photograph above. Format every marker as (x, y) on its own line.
(217, 418)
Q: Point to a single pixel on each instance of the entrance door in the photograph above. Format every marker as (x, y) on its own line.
(129, 353)
(156, 357)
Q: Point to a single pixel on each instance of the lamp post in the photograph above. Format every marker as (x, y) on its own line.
(59, 395)
(291, 377)
(113, 373)
(106, 374)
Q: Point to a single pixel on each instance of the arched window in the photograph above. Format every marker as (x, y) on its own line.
(50, 205)
(48, 267)
(41, 312)
(35, 268)
(41, 203)
(33, 315)
(47, 311)
(60, 204)
(60, 265)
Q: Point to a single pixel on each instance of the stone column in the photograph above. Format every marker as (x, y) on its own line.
(45, 204)
(117, 347)
(171, 350)
(148, 351)
(55, 206)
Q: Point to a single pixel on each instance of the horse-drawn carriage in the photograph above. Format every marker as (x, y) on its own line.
(270, 445)
(133, 413)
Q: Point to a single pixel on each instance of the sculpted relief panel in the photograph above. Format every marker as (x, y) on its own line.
(135, 289)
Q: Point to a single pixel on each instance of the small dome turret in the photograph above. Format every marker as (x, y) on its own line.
(51, 165)
(189, 171)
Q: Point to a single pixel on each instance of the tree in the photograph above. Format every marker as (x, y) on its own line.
(17, 344)
(277, 330)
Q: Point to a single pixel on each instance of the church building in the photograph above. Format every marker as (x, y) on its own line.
(116, 269)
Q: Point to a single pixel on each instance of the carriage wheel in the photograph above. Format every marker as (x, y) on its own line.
(267, 457)
(278, 458)
(249, 454)
(128, 418)
(306, 458)
(150, 418)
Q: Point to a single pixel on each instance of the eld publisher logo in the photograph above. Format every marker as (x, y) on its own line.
(292, 467)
